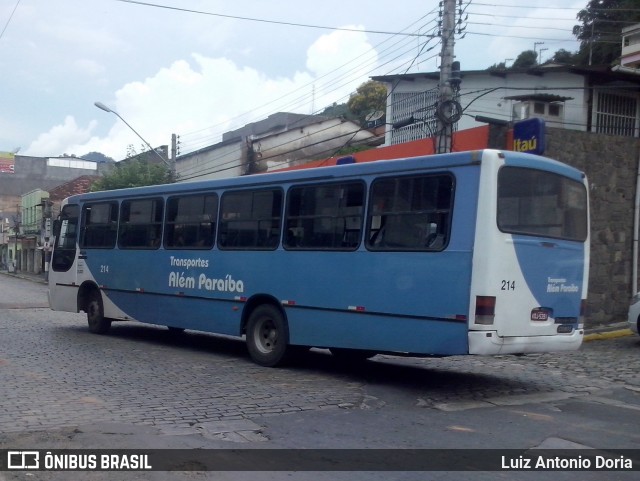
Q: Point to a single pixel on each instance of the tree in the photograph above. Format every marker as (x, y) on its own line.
(339, 110)
(601, 28)
(563, 57)
(371, 96)
(97, 157)
(526, 59)
(498, 66)
(132, 173)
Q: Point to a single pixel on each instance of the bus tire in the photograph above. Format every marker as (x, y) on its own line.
(267, 336)
(98, 324)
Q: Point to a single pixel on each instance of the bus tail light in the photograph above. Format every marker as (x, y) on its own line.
(485, 310)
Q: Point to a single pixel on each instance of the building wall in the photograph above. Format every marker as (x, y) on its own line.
(297, 146)
(31, 174)
(226, 159)
(36, 173)
(483, 94)
(611, 165)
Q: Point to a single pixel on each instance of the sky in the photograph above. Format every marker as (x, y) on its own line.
(199, 68)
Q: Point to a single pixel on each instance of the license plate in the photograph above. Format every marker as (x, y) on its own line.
(540, 314)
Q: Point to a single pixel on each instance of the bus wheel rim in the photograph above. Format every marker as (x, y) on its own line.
(267, 336)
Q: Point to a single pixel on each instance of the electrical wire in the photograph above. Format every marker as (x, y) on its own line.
(9, 19)
(336, 82)
(262, 20)
(222, 166)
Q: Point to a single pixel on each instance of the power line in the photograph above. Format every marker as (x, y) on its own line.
(536, 27)
(547, 19)
(9, 19)
(339, 79)
(262, 20)
(206, 170)
(525, 38)
(537, 7)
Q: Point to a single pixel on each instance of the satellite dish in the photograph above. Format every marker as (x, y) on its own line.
(375, 115)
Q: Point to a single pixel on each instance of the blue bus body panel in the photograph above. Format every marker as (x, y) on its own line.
(413, 302)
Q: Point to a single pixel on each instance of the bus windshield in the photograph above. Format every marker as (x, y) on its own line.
(541, 203)
(65, 232)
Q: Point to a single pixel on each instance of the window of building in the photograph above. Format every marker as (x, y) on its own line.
(410, 213)
(191, 222)
(250, 219)
(327, 216)
(140, 224)
(616, 114)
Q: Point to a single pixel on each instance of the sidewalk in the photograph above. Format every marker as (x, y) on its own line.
(592, 333)
(26, 275)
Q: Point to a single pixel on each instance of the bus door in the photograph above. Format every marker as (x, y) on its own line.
(64, 258)
(531, 253)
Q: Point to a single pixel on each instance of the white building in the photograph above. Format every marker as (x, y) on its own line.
(593, 99)
(282, 140)
(630, 57)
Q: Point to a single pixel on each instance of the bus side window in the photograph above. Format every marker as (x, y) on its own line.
(99, 225)
(250, 219)
(140, 224)
(191, 221)
(325, 216)
(410, 213)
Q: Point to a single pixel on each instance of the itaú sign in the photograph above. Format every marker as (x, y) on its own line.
(528, 136)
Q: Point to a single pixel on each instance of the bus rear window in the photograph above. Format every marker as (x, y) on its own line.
(539, 203)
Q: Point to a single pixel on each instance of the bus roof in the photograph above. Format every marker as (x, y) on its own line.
(409, 164)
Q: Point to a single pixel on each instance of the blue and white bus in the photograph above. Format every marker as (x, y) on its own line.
(482, 252)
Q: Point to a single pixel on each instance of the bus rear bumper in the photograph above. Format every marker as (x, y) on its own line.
(486, 343)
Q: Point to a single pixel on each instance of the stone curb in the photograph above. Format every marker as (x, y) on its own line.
(601, 336)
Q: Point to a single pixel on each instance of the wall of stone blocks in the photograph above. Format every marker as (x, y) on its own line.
(611, 165)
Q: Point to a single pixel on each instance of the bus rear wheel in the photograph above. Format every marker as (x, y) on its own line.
(267, 336)
(98, 324)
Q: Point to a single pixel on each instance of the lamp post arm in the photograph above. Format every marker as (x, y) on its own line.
(171, 167)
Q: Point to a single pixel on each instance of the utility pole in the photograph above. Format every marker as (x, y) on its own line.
(443, 111)
(174, 153)
(541, 50)
(535, 46)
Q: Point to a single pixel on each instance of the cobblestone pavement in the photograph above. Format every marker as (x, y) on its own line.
(54, 373)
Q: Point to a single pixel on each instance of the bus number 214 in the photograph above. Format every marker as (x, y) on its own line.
(104, 268)
(508, 285)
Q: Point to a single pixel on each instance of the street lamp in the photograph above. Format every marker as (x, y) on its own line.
(170, 165)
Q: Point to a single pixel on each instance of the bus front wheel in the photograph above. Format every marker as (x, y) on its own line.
(98, 324)
(267, 336)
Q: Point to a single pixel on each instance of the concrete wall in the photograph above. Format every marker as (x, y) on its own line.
(226, 159)
(35, 173)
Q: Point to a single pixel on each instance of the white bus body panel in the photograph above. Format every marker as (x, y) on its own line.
(496, 272)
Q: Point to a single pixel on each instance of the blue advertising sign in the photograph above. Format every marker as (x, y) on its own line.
(529, 136)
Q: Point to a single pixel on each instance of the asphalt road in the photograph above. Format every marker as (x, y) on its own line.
(144, 387)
